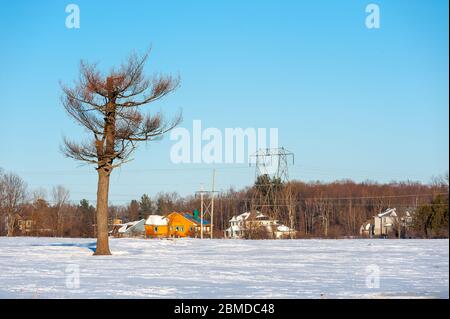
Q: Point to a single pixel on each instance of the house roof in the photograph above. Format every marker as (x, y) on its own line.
(195, 220)
(389, 212)
(250, 216)
(244, 216)
(157, 220)
(132, 226)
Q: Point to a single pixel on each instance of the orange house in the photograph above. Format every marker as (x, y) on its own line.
(157, 226)
(186, 225)
(176, 225)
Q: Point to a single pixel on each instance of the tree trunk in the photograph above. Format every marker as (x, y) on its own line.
(11, 222)
(102, 213)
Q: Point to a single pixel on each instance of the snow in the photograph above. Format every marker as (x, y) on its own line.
(132, 226)
(389, 212)
(235, 228)
(193, 268)
(283, 228)
(157, 220)
(244, 216)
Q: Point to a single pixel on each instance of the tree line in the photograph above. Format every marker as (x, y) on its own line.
(331, 210)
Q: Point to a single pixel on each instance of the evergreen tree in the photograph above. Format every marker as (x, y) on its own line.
(145, 206)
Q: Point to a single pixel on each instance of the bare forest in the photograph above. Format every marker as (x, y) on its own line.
(322, 210)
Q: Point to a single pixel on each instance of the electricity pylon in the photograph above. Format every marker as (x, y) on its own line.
(272, 195)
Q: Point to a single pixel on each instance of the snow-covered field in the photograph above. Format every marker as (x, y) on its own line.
(192, 268)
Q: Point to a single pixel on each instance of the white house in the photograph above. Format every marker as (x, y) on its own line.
(385, 223)
(243, 225)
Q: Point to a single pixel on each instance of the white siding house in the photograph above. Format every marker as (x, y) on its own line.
(241, 226)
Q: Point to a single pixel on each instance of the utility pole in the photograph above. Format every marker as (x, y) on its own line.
(207, 205)
(212, 202)
(201, 211)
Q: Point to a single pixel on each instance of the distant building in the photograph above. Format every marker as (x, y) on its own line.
(176, 224)
(23, 225)
(156, 226)
(387, 223)
(257, 225)
(187, 225)
(366, 229)
(131, 229)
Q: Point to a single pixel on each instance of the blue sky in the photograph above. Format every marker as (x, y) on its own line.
(350, 102)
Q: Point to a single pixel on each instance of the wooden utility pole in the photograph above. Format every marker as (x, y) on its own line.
(207, 206)
(212, 202)
(201, 211)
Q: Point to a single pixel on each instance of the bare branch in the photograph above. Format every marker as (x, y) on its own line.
(107, 105)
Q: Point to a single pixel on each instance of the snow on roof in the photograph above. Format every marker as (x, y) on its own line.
(132, 226)
(157, 220)
(246, 215)
(243, 216)
(389, 212)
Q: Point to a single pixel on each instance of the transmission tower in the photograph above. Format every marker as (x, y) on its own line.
(272, 195)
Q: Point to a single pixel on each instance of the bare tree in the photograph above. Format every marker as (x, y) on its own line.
(60, 196)
(108, 107)
(441, 180)
(13, 190)
(2, 211)
(39, 194)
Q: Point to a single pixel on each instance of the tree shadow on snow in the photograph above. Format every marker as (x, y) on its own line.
(91, 246)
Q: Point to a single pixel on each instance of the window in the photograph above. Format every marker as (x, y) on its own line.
(182, 228)
(176, 228)
(190, 228)
(156, 229)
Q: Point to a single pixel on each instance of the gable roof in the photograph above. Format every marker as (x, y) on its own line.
(157, 220)
(389, 212)
(189, 217)
(132, 226)
(255, 215)
(195, 220)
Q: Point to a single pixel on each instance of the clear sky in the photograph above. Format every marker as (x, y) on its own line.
(350, 102)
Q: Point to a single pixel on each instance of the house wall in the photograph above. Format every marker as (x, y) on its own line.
(180, 226)
(156, 230)
(380, 225)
